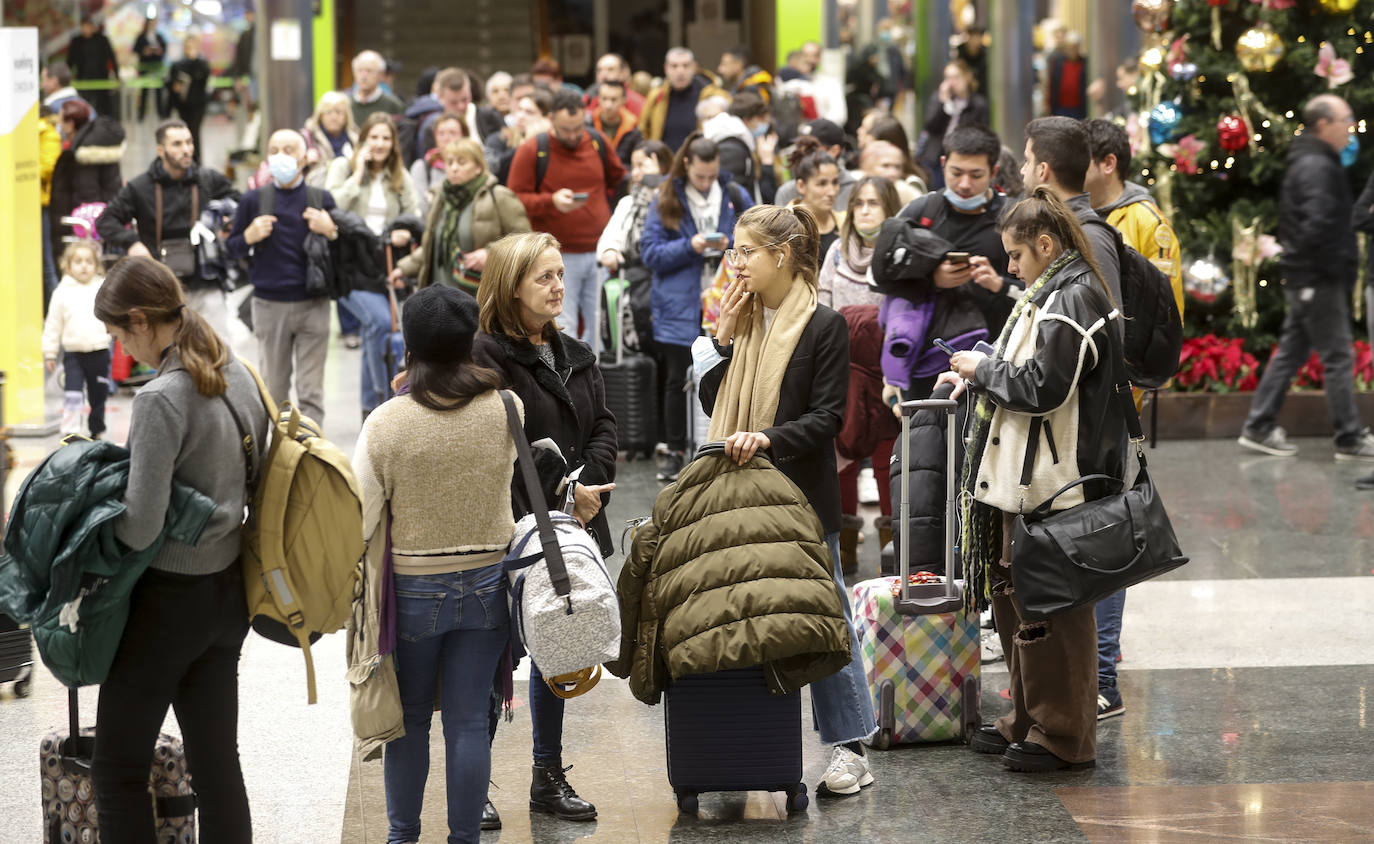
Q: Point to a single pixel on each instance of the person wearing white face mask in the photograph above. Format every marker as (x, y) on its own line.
(291, 325)
(976, 293)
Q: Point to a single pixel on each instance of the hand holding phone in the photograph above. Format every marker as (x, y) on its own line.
(580, 196)
(716, 239)
(944, 347)
(957, 257)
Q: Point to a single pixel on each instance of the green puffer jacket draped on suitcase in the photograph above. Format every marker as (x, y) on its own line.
(731, 571)
(64, 573)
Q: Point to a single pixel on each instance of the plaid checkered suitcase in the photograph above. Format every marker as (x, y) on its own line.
(919, 645)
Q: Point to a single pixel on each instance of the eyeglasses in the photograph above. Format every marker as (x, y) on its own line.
(739, 257)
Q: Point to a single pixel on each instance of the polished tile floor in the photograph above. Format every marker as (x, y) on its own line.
(1246, 679)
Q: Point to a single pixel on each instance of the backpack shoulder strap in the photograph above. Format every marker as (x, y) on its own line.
(541, 159)
(157, 215)
(314, 197)
(267, 199)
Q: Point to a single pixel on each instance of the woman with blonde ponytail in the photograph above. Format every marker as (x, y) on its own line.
(188, 614)
(776, 381)
(1045, 414)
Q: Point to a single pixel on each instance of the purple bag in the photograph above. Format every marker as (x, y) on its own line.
(386, 634)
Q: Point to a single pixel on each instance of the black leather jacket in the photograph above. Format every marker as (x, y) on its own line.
(1043, 383)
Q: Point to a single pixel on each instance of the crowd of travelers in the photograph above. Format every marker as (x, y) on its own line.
(469, 233)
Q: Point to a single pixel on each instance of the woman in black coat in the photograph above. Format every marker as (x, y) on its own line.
(780, 387)
(88, 169)
(958, 103)
(556, 376)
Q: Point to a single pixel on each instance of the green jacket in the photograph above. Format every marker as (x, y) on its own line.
(64, 573)
(731, 571)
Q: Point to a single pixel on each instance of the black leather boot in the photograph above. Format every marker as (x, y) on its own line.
(491, 819)
(550, 792)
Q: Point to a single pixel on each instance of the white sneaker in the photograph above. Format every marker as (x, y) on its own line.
(991, 644)
(848, 772)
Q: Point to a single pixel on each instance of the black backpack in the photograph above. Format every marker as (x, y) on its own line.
(541, 158)
(1152, 329)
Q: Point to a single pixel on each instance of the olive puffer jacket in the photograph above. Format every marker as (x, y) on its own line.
(64, 573)
(732, 571)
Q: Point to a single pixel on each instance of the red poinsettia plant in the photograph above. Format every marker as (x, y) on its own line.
(1312, 375)
(1216, 364)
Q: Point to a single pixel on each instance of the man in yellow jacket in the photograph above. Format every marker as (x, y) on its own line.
(49, 150)
(1129, 208)
(670, 112)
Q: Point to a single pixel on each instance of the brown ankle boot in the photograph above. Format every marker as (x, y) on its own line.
(850, 526)
(884, 526)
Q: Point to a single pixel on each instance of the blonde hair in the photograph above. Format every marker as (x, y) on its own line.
(466, 148)
(509, 260)
(65, 264)
(329, 100)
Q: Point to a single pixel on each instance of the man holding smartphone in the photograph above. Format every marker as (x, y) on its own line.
(972, 283)
(565, 180)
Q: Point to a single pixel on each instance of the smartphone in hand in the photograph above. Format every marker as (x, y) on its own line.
(715, 239)
(943, 346)
(581, 196)
(957, 257)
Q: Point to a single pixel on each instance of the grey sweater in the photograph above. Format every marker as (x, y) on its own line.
(177, 433)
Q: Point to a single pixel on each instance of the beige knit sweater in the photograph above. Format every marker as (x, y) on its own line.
(447, 478)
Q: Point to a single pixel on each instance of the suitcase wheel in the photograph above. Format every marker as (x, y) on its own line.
(687, 802)
(797, 801)
(882, 740)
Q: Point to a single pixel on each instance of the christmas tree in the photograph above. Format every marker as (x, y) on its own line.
(1220, 98)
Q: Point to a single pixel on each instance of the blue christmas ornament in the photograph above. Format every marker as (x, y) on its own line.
(1351, 152)
(1164, 120)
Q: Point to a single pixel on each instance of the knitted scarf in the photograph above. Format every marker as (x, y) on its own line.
(854, 262)
(981, 537)
(448, 248)
(748, 399)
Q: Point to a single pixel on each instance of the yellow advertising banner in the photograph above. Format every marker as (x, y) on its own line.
(21, 259)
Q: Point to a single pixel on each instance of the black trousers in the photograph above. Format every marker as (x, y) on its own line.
(193, 116)
(181, 647)
(93, 370)
(675, 362)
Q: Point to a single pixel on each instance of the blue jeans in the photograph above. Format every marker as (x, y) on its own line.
(348, 324)
(373, 312)
(1109, 611)
(841, 704)
(454, 627)
(49, 264)
(581, 296)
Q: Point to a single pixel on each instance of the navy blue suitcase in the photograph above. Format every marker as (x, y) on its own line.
(726, 732)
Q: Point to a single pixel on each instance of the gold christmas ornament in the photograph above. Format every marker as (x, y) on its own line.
(1260, 48)
(1152, 59)
(1339, 7)
(1152, 15)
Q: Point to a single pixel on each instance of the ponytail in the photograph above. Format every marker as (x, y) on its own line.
(1043, 212)
(697, 147)
(147, 286)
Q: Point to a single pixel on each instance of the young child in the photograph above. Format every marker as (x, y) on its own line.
(73, 329)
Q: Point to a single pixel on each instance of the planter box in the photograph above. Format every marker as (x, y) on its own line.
(1193, 416)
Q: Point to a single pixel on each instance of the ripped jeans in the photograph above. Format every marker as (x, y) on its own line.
(1053, 667)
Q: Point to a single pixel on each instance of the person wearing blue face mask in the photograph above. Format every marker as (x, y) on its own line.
(291, 325)
(972, 288)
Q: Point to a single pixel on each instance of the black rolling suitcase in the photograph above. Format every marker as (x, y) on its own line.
(726, 732)
(631, 381)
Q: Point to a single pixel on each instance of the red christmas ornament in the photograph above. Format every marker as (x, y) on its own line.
(1232, 133)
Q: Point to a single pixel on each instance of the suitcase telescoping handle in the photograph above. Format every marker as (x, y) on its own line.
(928, 598)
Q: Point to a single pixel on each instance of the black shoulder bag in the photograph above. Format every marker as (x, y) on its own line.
(1076, 557)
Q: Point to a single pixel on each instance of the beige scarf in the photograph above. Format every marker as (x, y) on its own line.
(748, 400)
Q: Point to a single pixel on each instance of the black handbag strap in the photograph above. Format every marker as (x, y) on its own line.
(1124, 398)
(548, 538)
